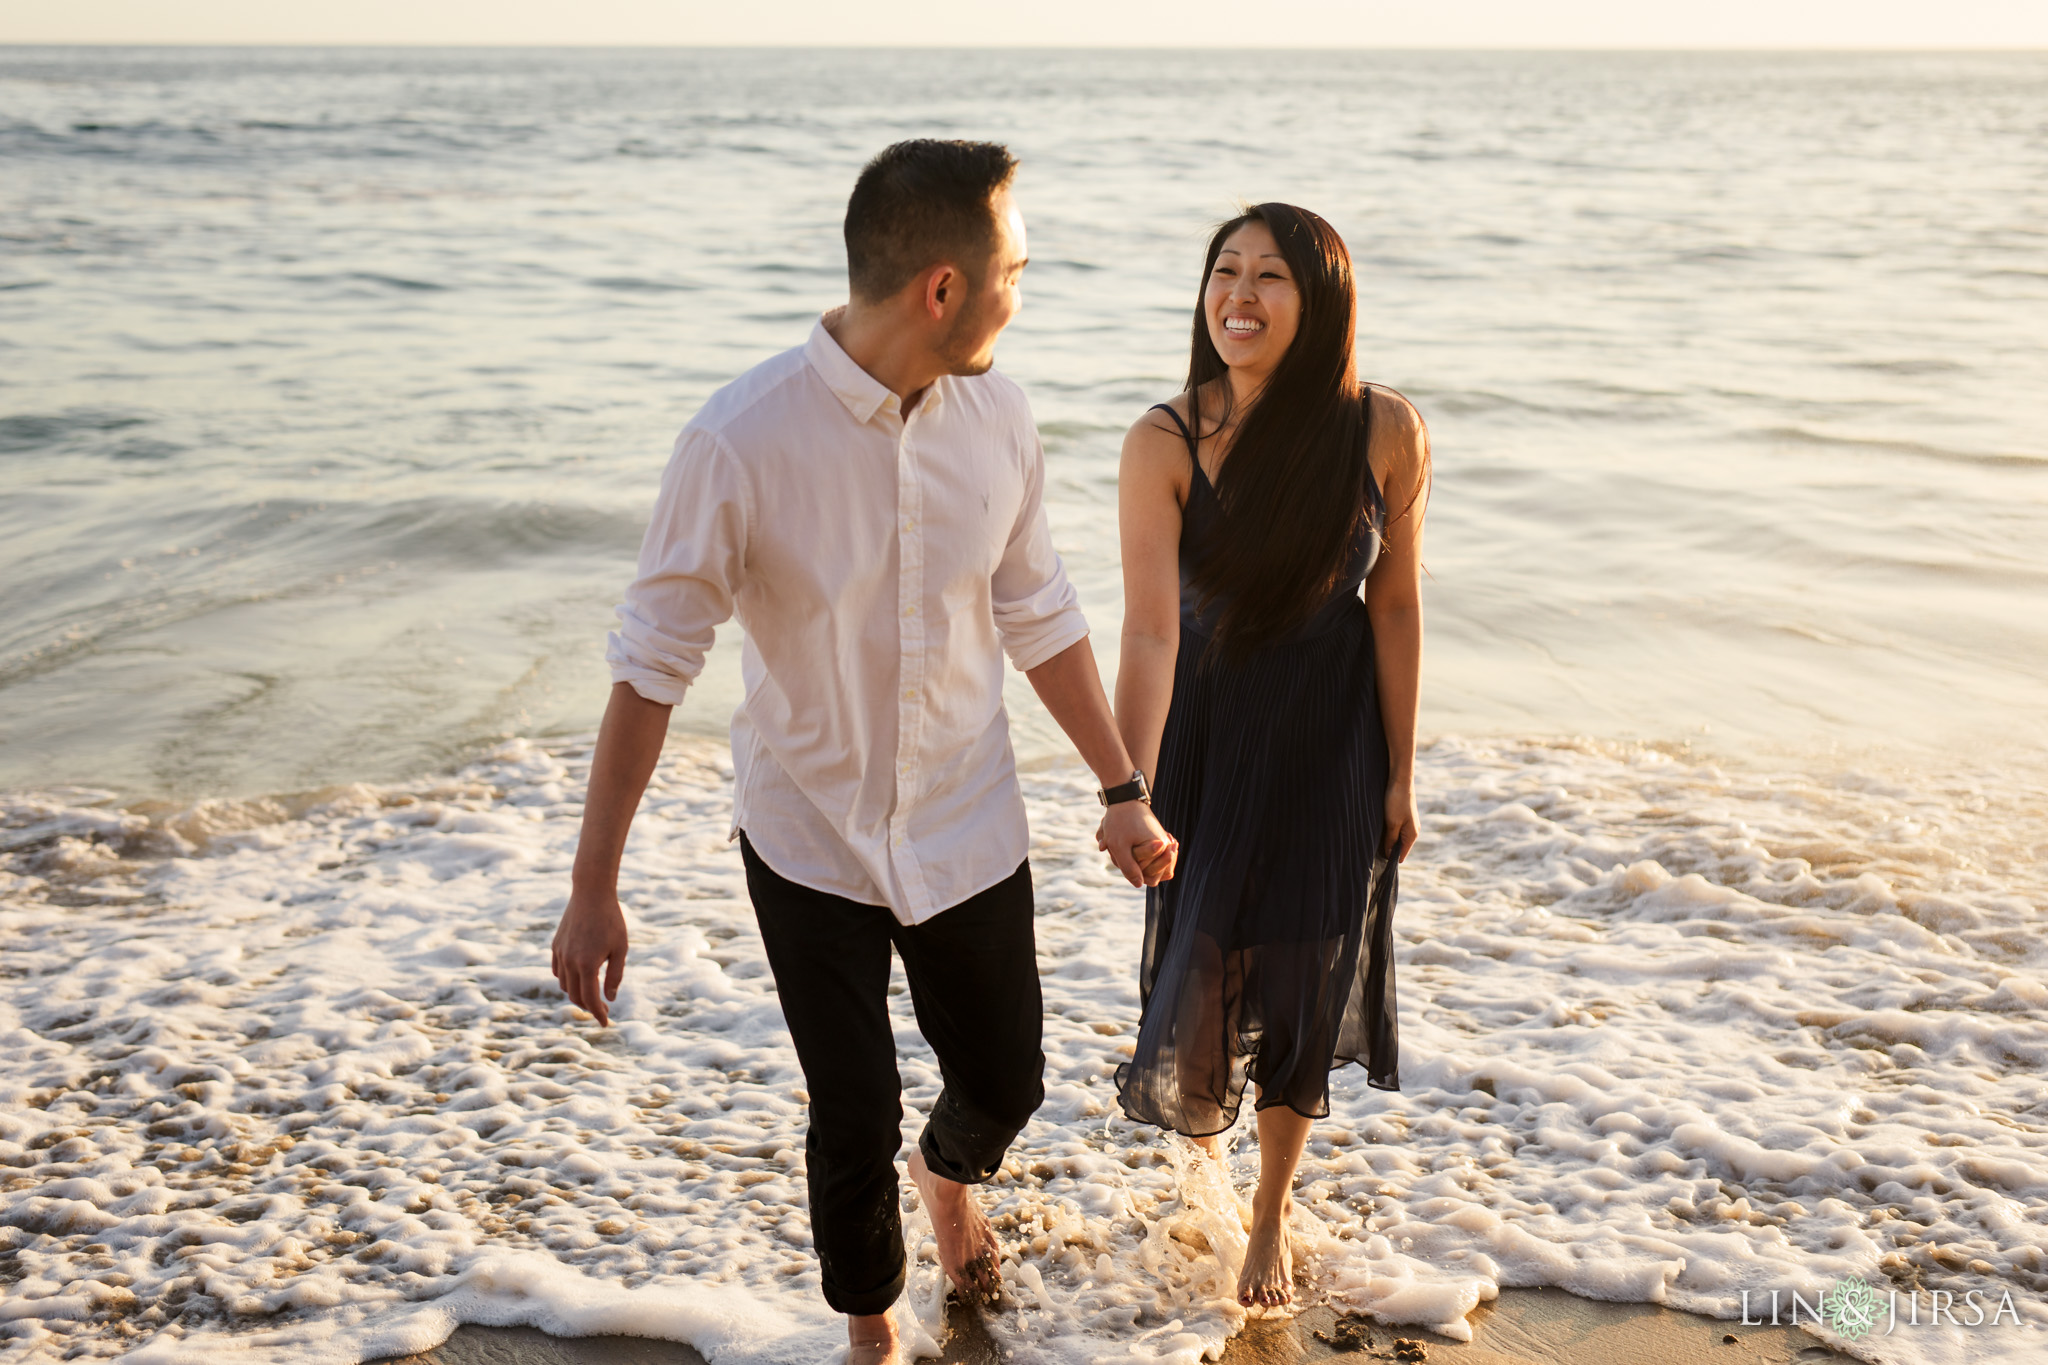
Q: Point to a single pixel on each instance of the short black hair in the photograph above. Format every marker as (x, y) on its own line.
(920, 202)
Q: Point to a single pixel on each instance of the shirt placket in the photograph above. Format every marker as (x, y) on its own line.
(910, 707)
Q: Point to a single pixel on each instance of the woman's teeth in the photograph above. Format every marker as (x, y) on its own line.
(1242, 327)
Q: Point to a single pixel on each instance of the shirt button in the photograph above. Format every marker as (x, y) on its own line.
(910, 694)
(910, 611)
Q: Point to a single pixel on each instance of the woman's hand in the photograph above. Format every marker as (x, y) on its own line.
(1402, 822)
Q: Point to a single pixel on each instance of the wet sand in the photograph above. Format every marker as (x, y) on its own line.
(1521, 1327)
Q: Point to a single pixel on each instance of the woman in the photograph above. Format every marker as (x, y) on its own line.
(1273, 709)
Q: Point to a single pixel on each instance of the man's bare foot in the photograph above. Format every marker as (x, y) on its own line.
(1267, 1280)
(873, 1341)
(967, 1246)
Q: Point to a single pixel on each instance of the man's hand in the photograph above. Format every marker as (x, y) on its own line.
(1402, 823)
(1156, 860)
(590, 951)
(1071, 689)
(590, 942)
(1140, 847)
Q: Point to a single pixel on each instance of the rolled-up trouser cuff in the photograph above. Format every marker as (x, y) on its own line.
(965, 1146)
(872, 1301)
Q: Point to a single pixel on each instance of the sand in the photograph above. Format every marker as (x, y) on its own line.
(1521, 1327)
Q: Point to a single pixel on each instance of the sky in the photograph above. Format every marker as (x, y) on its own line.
(1047, 23)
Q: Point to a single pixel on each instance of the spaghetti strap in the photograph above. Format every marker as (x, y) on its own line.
(1372, 481)
(1185, 434)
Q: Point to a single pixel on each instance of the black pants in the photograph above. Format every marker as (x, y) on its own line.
(973, 973)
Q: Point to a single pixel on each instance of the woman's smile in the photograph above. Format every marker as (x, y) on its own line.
(1253, 305)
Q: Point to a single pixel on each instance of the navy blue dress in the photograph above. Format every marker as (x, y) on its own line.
(1269, 956)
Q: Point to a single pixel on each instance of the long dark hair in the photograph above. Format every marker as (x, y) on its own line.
(1294, 488)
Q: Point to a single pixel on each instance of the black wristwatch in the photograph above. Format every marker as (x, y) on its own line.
(1133, 790)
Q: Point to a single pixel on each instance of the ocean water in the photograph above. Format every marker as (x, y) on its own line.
(334, 387)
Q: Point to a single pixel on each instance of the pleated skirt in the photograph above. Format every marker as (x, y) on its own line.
(1268, 958)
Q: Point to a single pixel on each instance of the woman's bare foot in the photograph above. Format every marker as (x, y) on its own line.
(967, 1245)
(1267, 1280)
(874, 1341)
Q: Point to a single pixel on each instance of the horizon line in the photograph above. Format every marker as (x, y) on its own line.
(551, 46)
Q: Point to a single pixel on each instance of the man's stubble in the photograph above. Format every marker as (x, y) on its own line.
(956, 351)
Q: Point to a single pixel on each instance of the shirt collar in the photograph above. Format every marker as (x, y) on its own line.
(862, 393)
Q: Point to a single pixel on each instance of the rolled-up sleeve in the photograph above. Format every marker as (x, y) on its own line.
(1037, 612)
(692, 565)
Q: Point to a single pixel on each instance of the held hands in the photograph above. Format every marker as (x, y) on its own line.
(1402, 823)
(590, 946)
(1136, 842)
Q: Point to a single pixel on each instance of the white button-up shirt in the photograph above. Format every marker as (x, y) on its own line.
(881, 567)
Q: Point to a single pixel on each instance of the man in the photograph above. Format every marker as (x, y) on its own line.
(869, 506)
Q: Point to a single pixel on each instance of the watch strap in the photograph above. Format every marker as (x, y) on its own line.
(1137, 789)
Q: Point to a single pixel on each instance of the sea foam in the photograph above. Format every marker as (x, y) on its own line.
(289, 1080)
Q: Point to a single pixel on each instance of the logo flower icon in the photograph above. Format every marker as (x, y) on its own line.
(1852, 1307)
